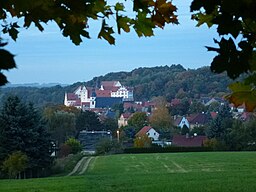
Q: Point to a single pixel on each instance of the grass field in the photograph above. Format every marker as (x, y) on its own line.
(188, 172)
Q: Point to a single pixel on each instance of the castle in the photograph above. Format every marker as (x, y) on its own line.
(109, 94)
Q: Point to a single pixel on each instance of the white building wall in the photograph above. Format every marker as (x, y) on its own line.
(183, 122)
(84, 95)
(153, 134)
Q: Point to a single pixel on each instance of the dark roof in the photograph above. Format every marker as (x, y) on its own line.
(93, 93)
(177, 121)
(103, 102)
(110, 114)
(184, 141)
(199, 118)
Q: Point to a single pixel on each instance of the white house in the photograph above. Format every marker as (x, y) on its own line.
(181, 121)
(150, 132)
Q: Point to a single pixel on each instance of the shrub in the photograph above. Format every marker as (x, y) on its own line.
(74, 145)
(104, 146)
(15, 164)
(142, 142)
(166, 149)
(64, 151)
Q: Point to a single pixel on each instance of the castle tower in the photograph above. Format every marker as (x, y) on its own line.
(93, 99)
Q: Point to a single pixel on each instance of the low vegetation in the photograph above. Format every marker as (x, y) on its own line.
(194, 172)
(63, 166)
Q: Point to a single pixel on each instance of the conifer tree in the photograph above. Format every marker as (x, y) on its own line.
(22, 129)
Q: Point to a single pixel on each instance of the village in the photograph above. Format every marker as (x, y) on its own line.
(185, 130)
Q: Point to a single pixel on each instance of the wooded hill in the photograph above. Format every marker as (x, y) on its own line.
(169, 81)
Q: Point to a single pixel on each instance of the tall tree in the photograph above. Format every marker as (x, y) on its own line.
(161, 119)
(61, 126)
(88, 120)
(220, 126)
(138, 120)
(22, 129)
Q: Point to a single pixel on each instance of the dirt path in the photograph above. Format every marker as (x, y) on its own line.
(78, 170)
(86, 166)
(77, 166)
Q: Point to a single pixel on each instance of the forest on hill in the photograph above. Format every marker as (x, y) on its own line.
(169, 81)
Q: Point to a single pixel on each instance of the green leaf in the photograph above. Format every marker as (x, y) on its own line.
(123, 23)
(3, 79)
(119, 7)
(204, 19)
(229, 59)
(242, 94)
(6, 60)
(143, 25)
(106, 33)
(13, 33)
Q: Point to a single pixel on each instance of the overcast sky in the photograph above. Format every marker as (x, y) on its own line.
(49, 57)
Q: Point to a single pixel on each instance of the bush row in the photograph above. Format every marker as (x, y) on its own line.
(167, 149)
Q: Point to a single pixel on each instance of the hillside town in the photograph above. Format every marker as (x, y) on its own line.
(110, 94)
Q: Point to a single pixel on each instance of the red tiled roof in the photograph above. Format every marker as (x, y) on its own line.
(114, 89)
(103, 93)
(175, 102)
(148, 104)
(126, 115)
(177, 121)
(143, 131)
(183, 141)
(108, 83)
(85, 103)
(214, 115)
(128, 105)
(246, 115)
(72, 96)
(77, 103)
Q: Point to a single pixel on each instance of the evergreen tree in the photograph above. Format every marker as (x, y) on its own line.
(88, 120)
(219, 126)
(22, 129)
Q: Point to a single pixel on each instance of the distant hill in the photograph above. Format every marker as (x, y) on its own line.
(38, 85)
(170, 81)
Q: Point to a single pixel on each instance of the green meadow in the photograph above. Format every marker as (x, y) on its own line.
(177, 172)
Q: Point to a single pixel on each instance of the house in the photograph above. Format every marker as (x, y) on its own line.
(90, 139)
(150, 132)
(175, 102)
(109, 93)
(116, 89)
(246, 116)
(186, 141)
(123, 119)
(181, 121)
(199, 119)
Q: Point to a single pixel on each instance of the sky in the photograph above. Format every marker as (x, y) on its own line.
(48, 57)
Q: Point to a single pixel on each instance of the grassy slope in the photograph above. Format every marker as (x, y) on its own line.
(193, 172)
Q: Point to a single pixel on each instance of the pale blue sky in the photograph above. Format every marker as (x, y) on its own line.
(49, 57)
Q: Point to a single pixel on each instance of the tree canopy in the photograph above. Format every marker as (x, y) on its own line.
(236, 24)
(235, 21)
(22, 129)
